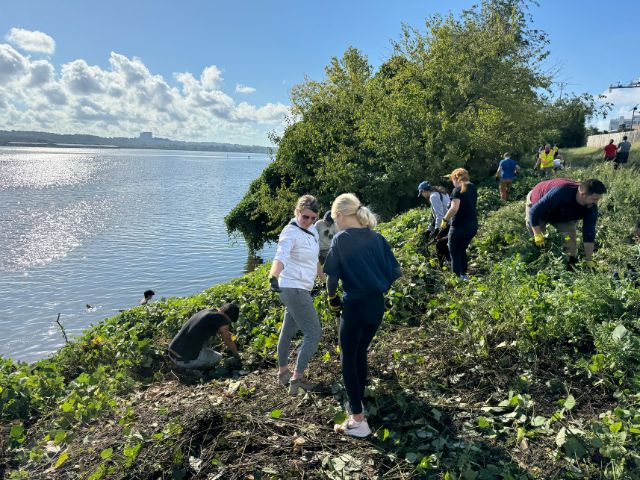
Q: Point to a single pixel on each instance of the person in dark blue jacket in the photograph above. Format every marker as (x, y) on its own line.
(562, 202)
(363, 260)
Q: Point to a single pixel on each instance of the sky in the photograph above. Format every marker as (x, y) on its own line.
(204, 70)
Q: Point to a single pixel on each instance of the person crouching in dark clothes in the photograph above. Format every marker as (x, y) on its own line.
(464, 220)
(188, 350)
(363, 260)
(562, 202)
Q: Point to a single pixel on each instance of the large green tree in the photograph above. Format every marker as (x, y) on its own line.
(457, 93)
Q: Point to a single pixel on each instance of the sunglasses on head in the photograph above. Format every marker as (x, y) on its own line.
(309, 217)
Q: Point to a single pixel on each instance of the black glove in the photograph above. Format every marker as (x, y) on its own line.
(273, 284)
(335, 304)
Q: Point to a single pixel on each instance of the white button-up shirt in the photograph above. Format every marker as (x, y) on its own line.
(298, 251)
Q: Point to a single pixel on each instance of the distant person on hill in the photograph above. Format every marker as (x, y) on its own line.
(293, 272)
(610, 151)
(622, 155)
(439, 200)
(545, 161)
(188, 350)
(327, 229)
(147, 296)
(562, 202)
(363, 260)
(507, 171)
(464, 220)
(556, 152)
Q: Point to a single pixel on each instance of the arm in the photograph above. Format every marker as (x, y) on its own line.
(319, 273)
(453, 209)
(438, 207)
(276, 268)
(332, 285)
(283, 252)
(225, 333)
(541, 209)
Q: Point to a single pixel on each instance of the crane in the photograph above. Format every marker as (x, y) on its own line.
(630, 85)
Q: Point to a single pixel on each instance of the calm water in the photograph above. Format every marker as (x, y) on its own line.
(97, 227)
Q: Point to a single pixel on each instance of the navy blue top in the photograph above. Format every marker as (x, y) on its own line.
(363, 260)
(560, 205)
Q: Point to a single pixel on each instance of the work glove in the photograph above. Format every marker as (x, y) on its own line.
(443, 224)
(273, 284)
(538, 239)
(590, 264)
(335, 304)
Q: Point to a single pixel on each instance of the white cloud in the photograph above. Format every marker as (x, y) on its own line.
(125, 98)
(12, 64)
(211, 77)
(31, 40)
(244, 89)
(623, 100)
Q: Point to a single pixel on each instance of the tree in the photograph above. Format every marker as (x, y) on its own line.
(458, 94)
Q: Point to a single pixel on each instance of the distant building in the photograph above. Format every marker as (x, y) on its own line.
(146, 135)
(615, 123)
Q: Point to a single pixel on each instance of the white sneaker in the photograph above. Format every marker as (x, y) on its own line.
(353, 428)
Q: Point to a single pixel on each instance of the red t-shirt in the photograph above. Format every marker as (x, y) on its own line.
(610, 150)
(541, 189)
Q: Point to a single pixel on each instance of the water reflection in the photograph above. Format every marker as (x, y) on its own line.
(98, 227)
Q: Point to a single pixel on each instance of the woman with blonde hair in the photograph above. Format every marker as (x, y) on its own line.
(292, 275)
(363, 260)
(464, 220)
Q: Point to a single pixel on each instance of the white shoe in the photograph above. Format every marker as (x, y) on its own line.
(353, 428)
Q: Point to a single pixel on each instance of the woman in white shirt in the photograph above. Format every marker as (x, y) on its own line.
(439, 200)
(292, 274)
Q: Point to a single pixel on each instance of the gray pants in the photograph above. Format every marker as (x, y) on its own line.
(207, 357)
(299, 314)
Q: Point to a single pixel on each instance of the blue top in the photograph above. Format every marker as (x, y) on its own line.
(363, 260)
(508, 168)
(560, 205)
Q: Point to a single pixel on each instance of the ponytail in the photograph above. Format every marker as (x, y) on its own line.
(348, 204)
(462, 176)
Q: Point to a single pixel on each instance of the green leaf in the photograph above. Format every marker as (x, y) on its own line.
(570, 402)
(340, 417)
(538, 421)
(483, 422)
(615, 427)
(106, 453)
(275, 413)
(574, 448)
(61, 459)
(411, 457)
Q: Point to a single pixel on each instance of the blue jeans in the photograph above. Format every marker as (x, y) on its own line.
(459, 240)
(358, 325)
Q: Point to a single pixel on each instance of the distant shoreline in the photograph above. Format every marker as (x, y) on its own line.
(115, 147)
(145, 142)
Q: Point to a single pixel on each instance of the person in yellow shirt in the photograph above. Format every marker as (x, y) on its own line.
(545, 161)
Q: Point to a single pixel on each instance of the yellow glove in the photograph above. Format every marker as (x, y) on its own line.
(538, 239)
(590, 264)
(443, 224)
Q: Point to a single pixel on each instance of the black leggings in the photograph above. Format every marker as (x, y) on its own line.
(358, 325)
(459, 240)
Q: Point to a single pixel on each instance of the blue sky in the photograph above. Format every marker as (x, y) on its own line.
(252, 53)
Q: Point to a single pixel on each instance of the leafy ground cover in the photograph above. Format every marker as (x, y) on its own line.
(525, 371)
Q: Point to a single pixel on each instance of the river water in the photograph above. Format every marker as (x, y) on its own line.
(83, 232)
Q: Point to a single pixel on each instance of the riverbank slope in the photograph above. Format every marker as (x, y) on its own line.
(525, 371)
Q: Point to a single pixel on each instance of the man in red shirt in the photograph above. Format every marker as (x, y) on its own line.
(610, 151)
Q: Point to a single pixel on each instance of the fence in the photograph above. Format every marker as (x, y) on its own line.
(603, 139)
